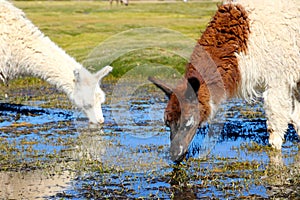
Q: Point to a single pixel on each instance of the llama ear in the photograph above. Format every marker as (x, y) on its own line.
(103, 72)
(76, 75)
(193, 85)
(163, 86)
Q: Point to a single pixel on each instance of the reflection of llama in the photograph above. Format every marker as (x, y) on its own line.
(247, 45)
(45, 182)
(24, 50)
(281, 174)
(33, 184)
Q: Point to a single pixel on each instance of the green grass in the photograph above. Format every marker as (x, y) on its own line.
(96, 34)
(80, 26)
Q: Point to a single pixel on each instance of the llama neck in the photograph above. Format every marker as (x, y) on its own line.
(226, 35)
(214, 62)
(52, 64)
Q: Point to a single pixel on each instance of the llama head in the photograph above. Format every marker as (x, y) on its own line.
(181, 114)
(88, 96)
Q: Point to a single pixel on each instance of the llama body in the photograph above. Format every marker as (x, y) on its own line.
(247, 45)
(24, 50)
(125, 2)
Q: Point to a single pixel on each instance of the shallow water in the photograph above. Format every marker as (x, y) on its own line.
(53, 153)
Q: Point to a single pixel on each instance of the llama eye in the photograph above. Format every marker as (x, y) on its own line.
(167, 123)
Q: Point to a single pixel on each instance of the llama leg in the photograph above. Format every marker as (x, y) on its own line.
(278, 107)
(295, 117)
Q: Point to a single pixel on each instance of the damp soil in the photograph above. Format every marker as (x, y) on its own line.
(48, 150)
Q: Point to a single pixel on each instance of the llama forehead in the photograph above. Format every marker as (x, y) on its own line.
(91, 90)
(181, 107)
(86, 82)
(177, 97)
(175, 106)
(87, 77)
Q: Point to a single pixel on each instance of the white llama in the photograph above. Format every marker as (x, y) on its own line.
(25, 50)
(248, 45)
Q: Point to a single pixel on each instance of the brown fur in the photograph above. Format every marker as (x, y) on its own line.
(213, 61)
(211, 76)
(227, 34)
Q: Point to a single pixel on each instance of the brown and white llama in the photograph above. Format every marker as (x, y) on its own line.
(248, 44)
(25, 50)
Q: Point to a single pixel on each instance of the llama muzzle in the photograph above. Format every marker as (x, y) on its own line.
(181, 140)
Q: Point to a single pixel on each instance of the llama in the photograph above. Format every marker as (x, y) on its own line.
(25, 50)
(247, 45)
(125, 2)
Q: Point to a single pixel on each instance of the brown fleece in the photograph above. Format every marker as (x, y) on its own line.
(227, 34)
(213, 61)
(214, 56)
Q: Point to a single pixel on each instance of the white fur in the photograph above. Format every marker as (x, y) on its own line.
(190, 122)
(273, 62)
(24, 50)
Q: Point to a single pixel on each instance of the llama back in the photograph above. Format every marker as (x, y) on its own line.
(273, 56)
(11, 19)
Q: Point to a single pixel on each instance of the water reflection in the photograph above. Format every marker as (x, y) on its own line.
(130, 159)
(282, 175)
(33, 184)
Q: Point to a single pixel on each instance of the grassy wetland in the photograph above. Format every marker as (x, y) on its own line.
(49, 151)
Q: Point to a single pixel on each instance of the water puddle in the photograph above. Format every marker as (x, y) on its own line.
(53, 153)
